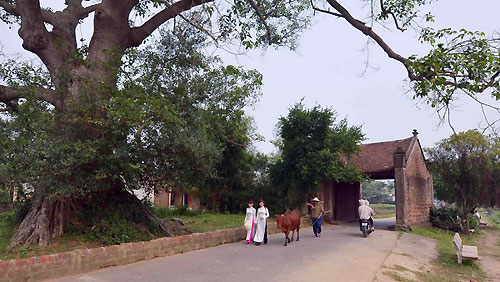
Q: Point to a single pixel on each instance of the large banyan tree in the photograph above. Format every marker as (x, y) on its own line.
(93, 122)
(83, 128)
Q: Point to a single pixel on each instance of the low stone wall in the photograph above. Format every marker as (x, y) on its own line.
(85, 260)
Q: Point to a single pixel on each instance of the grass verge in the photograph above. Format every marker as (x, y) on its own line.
(207, 222)
(447, 267)
(493, 216)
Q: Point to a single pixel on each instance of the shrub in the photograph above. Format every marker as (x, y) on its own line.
(473, 222)
(116, 231)
(7, 217)
(445, 218)
(5, 197)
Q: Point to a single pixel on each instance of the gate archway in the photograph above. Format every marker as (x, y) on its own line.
(402, 160)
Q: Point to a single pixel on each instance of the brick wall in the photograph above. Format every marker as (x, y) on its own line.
(161, 198)
(419, 184)
(85, 260)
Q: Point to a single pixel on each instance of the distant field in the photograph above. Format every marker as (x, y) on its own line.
(383, 210)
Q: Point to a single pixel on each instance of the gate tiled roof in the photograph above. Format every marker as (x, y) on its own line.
(378, 158)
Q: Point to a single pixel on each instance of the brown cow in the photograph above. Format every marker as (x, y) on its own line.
(290, 221)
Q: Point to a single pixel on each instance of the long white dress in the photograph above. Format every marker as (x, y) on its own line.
(262, 212)
(250, 216)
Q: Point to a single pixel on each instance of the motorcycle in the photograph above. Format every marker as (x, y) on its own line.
(366, 227)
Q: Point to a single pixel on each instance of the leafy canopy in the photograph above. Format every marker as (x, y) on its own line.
(314, 148)
(463, 166)
(168, 124)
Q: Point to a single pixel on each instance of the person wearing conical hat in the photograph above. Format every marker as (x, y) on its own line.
(317, 211)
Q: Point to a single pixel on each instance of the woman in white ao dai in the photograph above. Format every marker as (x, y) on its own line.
(250, 217)
(261, 233)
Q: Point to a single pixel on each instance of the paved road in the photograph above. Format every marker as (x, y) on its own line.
(341, 254)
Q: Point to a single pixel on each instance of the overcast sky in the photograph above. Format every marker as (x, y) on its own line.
(328, 69)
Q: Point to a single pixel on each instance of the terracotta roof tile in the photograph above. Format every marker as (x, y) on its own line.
(379, 157)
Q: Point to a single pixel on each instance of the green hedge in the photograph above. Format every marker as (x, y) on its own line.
(448, 218)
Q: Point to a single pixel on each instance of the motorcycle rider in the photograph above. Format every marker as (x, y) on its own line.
(372, 213)
(365, 212)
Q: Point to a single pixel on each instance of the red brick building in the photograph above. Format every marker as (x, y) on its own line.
(173, 198)
(401, 160)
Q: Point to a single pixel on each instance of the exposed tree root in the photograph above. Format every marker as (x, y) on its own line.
(48, 219)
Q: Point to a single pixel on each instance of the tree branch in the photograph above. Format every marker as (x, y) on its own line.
(330, 12)
(9, 8)
(368, 31)
(138, 34)
(262, 19)
(200, 28)
(85, 11)
(36, 37)
(9, 94)
(389, 12)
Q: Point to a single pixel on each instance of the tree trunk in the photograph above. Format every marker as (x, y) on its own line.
(465, 218)
(46, 219)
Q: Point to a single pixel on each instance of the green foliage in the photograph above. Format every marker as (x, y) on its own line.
(187, 108)
(7, 217)
(462, 169)
(189, 112)
(447, 218)
(116, 230)
(254, 24)
(469, 56)
(313, 149)
(5, 197)
(378, 191)
(403, 12)
(6, 231)
(460, 164)
(265, 23)
(114, 220)
(459, 61)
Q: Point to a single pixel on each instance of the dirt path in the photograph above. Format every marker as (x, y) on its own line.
(489, 252)
(412, 254)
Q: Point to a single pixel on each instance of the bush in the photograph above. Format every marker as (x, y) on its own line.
(8, 217)
(445, 218)
(116, 230)
(473, 222)
(5, 197)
